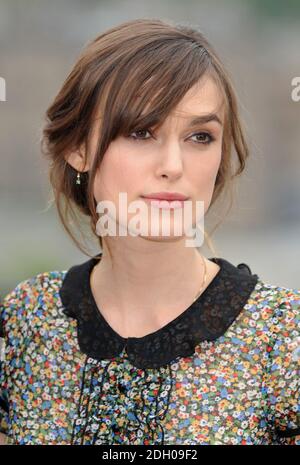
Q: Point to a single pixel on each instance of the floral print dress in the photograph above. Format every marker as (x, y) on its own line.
(225, 371)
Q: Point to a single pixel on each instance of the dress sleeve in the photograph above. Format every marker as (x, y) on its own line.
(13, 313)
(283, 369)
(3, 393)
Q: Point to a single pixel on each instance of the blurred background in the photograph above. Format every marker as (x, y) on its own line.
(259, 42)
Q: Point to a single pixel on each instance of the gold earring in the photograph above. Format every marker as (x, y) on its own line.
(78, 178)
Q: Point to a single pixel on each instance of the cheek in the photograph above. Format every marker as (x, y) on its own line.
(205, 169)
(203, 177)
(117, 173)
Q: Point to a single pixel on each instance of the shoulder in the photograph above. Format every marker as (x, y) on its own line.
(277, 313)
(32, 296)
(273, 312)
(273, 298)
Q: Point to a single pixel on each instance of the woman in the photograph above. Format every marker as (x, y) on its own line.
(149, 342)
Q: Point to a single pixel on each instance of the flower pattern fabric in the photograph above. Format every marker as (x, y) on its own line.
(229, 380)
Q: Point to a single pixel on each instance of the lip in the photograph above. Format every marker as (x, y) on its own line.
(165, 204)
(165, 196)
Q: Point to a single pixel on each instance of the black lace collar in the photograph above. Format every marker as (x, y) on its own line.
(207, 318)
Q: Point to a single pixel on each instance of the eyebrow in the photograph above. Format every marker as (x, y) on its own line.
(206, 118)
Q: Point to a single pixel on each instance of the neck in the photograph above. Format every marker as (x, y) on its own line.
(142, 276)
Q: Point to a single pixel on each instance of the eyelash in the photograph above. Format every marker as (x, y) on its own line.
(209, 141)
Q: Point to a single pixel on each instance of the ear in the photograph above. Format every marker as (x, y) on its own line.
(77, 160)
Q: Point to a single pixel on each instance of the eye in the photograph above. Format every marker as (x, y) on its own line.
(208, 140)
(139, 131)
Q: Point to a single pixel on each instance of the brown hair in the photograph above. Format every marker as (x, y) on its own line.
(157, 60)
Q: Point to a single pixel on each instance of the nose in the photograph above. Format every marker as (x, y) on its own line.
(170, 160)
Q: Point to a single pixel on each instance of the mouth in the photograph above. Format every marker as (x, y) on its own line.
(164, 203)
(168, 196)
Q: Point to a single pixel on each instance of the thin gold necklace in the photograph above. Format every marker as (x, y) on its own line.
(204, 279)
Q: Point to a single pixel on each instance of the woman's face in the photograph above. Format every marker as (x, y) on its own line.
(179, 157)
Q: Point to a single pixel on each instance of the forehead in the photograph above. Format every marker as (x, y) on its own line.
(204, 97)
